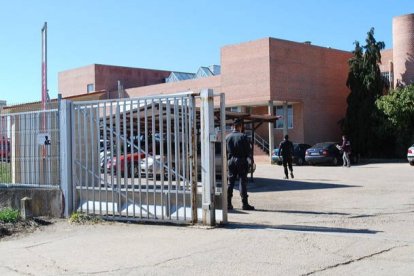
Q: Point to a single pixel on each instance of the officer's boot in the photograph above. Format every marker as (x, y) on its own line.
(229, 205)
(246, 205)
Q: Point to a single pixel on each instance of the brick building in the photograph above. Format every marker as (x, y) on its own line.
(304, 83)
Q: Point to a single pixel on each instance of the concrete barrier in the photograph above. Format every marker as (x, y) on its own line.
(44, 201)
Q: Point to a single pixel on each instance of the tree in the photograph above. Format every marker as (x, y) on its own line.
(398, 110)
(366, 85)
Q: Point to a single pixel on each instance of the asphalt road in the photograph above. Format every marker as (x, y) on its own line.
(327, 221)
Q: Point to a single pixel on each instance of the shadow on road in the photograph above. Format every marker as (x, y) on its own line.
(303, 212)
(300, 228)
(272, 185)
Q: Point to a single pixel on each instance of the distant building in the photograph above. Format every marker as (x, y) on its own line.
(304, 83)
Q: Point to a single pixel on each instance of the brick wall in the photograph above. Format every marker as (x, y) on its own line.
(315, 76)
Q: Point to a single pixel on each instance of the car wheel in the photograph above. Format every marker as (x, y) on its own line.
(412, 163)
(300, 161)
(335, 161)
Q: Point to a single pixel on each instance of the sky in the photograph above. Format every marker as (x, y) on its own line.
(179, 35)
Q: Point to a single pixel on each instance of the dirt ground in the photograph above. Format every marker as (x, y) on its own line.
(326, 221)
(23, 227)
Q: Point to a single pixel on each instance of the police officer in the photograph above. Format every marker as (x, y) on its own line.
(238, 151)
(286, 150)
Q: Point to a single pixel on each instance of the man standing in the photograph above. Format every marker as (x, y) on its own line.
(346, 149)
(286, 150)
(238, 151)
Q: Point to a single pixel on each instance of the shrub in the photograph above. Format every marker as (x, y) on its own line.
(9, 215)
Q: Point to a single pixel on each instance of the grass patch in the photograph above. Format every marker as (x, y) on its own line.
(82, 218)
(5, 172)
(9, 215)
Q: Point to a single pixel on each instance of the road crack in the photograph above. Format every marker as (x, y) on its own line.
(354, 260)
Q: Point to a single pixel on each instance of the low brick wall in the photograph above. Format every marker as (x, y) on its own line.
(45, 201)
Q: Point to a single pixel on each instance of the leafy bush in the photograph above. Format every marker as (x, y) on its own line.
(9, 215)
(82, 218)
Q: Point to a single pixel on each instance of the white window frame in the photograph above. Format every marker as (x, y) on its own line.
(278, 111)
(88, 86)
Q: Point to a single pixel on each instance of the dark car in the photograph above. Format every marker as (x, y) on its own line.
(298, 154)
(323, 153)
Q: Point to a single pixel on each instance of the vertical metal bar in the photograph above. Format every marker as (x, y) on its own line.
(105, 157)
(92, 142)
(65, 122)
(169, 158)
(23, 139)
(207, 156)
(32, 146)
(96, 163)
(146, 155)
(193, 159)
(112, 156)
(118, 154)
(161, 164)
(132, 143)
(48, 151)
(79, 157)
(223, 156)
(176, 153)
(86, 154)
(139, 156)
(185, 151)
(184, 155)
(154, 155)
(124, 126)
(36, 149)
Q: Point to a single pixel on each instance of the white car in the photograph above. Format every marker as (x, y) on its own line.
(410, 155)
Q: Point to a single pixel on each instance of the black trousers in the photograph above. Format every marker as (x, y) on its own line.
(237, 170)
(287, 161)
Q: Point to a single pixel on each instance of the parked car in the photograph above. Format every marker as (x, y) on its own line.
(129, 159)
(4, 150)
(323, 153)
(298, 154)
(152, 165)
(410, 155)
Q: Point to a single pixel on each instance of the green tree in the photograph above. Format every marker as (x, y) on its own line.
(366, 85)
(397, 108)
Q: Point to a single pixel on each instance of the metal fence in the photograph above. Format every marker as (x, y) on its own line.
(29, 149)
(151, 158)
(136, 158)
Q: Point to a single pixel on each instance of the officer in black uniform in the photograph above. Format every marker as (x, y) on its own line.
(286, 150)
(238, 151)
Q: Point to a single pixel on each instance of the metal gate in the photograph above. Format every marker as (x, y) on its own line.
(138, 158)
(30, 149)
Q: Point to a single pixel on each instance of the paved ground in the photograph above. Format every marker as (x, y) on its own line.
(328, 221)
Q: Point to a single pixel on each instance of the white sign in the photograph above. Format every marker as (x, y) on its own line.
(43, 139)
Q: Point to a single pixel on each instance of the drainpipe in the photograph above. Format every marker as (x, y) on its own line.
(285, 118)
(271, 131)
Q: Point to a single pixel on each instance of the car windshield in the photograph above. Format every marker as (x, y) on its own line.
(322, 145)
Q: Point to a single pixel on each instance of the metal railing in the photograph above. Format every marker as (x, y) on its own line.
(261, 143)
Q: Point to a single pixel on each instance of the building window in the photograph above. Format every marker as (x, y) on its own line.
(278, 110)
(90, 88)
(234, 109)
(387, 77)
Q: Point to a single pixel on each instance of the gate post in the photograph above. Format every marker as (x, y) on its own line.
(65, 124)
(207, 157)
